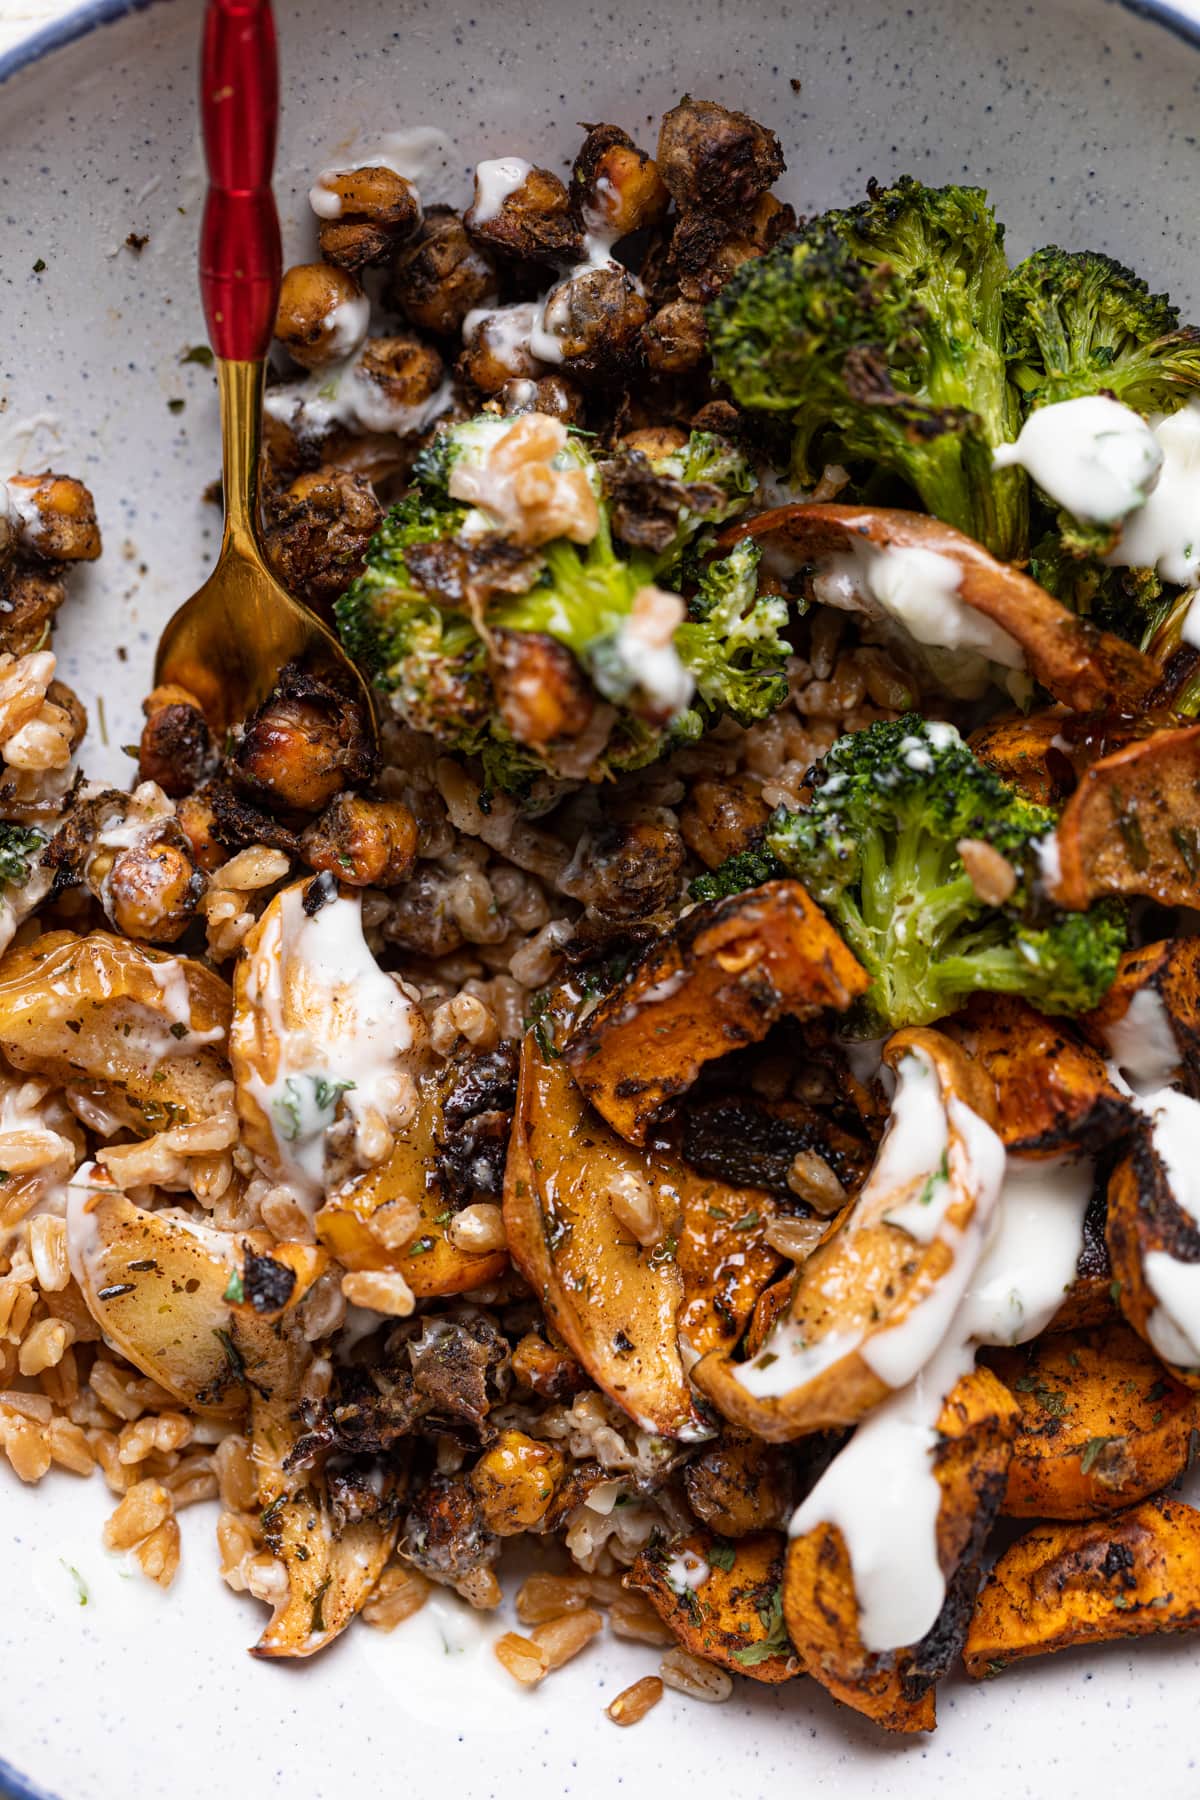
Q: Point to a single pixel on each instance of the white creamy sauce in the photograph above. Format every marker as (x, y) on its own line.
(422, 155)
(917, 592)
(552, 316)
(1164, 533)
(343, 394)
(341, 1029)
(509, 329)
(23, 510)
(1174, 1325)
(495, 182)
(174, 1033)
(325, 203)
(1049, 860)
(1142, 1043)
(347, 324)
(652, 667)
(685, 1572)
(87, 1250)
(1094, 456)
(1020, 1279)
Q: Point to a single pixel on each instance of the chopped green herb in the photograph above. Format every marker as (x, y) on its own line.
(176, 406)
(77, 1578)
(235, 1291)
(39, 265)
(199, 353)
(1093, 1450)
(326, 1092)
(722, 1555)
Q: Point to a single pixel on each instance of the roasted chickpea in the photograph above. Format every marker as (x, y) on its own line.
(176, 748)
(514, 1482)
(322, 316)
(56, 517)
(365, 843)
(740, 1485)
(395, 378)
(654, 441)
(627, 870)
(550, 394)
(319, 530)
(711, 157)
(616, 187)
(539, 687)
(595, 317)
(441, 276)
(195, 817)
(533, 222)
(152, 891)
(546, 1370)
(365, 214)
(721, 817)
(496, 348)
(29, 600)
(59, 694)
(675, 339)
(303, 745)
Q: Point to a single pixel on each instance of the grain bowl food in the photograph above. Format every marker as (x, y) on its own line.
(712, 1098)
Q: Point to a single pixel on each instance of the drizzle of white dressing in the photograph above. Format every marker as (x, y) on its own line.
(324, 201)
(347, 324)
(1164, 533)
(644, 659)
(1174, 1325)
(1142, 1043)
(1031, 1259)
(339, 1029)
(552, 314)
(495, 182)
(509, 329)
(176, 1035)
(25, 514)
(421, 154)
(1094, 456)
(684, 1572)
(916, 591)
(342, 394)
(1049, 860)
(86, 1249)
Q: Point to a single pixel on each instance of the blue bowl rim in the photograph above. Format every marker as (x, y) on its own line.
(85, 18)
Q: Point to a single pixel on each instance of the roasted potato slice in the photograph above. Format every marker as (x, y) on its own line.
(1064, 1585)
(1149, 1020)
(1154, 1240)
(1102, 1424)
(1082, 667)
(717, 981)
(820, 1603)
(352, 1223)
(141, 1031)
(619, 1304)
(899, 1247)
(723, 1601)
(1053, 1090)
(1130, 826)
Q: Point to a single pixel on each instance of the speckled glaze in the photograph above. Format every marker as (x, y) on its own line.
(1082, 120)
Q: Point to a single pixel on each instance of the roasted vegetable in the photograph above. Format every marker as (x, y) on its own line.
(1153, 1234)
(720, 979)
(1053, 1090)
(830, 1357)
(740, 1485)
(1149, 1020)
(893, 815)
(1130, 826)
(1102, 1424)
(896, 1688)
(723, 1601)
(1064, 1585)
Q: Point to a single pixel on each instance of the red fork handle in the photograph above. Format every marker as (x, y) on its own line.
(239, 238)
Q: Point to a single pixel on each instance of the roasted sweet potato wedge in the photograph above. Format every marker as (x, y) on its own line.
(820, 1604)
(620, 1305)
(1154, 1241)
(1102, 1423)
(1053, 1090)
(1021, 749)
(143, 1032)
(1149, 1020)
(1131, 827)
(1064, 1585)
(723, 1600)
(738, 1485)
(1089, 1300)
(829, 1358)
(429, 1262)
(717, 981)
(1082, 667)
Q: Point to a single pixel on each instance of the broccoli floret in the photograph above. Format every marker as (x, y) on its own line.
(877, 847)
(412, 619)
(19, 844)
(878, 328)
(748, 869)
(1078, 323)
(1130, 602)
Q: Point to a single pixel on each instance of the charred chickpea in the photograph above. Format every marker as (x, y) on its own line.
(322, 315)
(721, 817)
(365, 214)
(553, 395)
(617, 188)
(29, 600)
(195, 817)
(56, 517)
(496, 349)
(654, 441)
(153, 890)
(59, 694)
(319, 530)
(441, 276)
(532, 221)
(712, 157)
(365, 843)
(514, 1482)
(394, 379)
(675, 339)
(595, 317)
(176, 748)
(540, 689)
(303, 745)
(546, 1370)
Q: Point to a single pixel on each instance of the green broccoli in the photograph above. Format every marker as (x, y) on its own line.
(19, 845)
(748, 869)
(877, 847)
(1078, 323)
(879, 329)
(412, 620)
(1130, 602)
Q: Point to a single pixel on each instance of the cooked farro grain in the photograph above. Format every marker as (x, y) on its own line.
(395, 1223)
(544, 1597)
(397, 1595)
(796, 1238)
(564, 1637)
(464, 1017)
(44, 1346)
(145, 1507)
(526, 1661)
(630, 1616)
(69, 1447)
(235, 1472)
(481, 1589)
(635, 1701)
(160, 1431)
(158, 1553)
(812, 1179)
(383, 1293)
(478, 1228)
(48, 1252)
(636, 1208)
(691, 1675)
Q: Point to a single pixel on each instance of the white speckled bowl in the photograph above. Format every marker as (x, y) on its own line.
(1081, 118)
